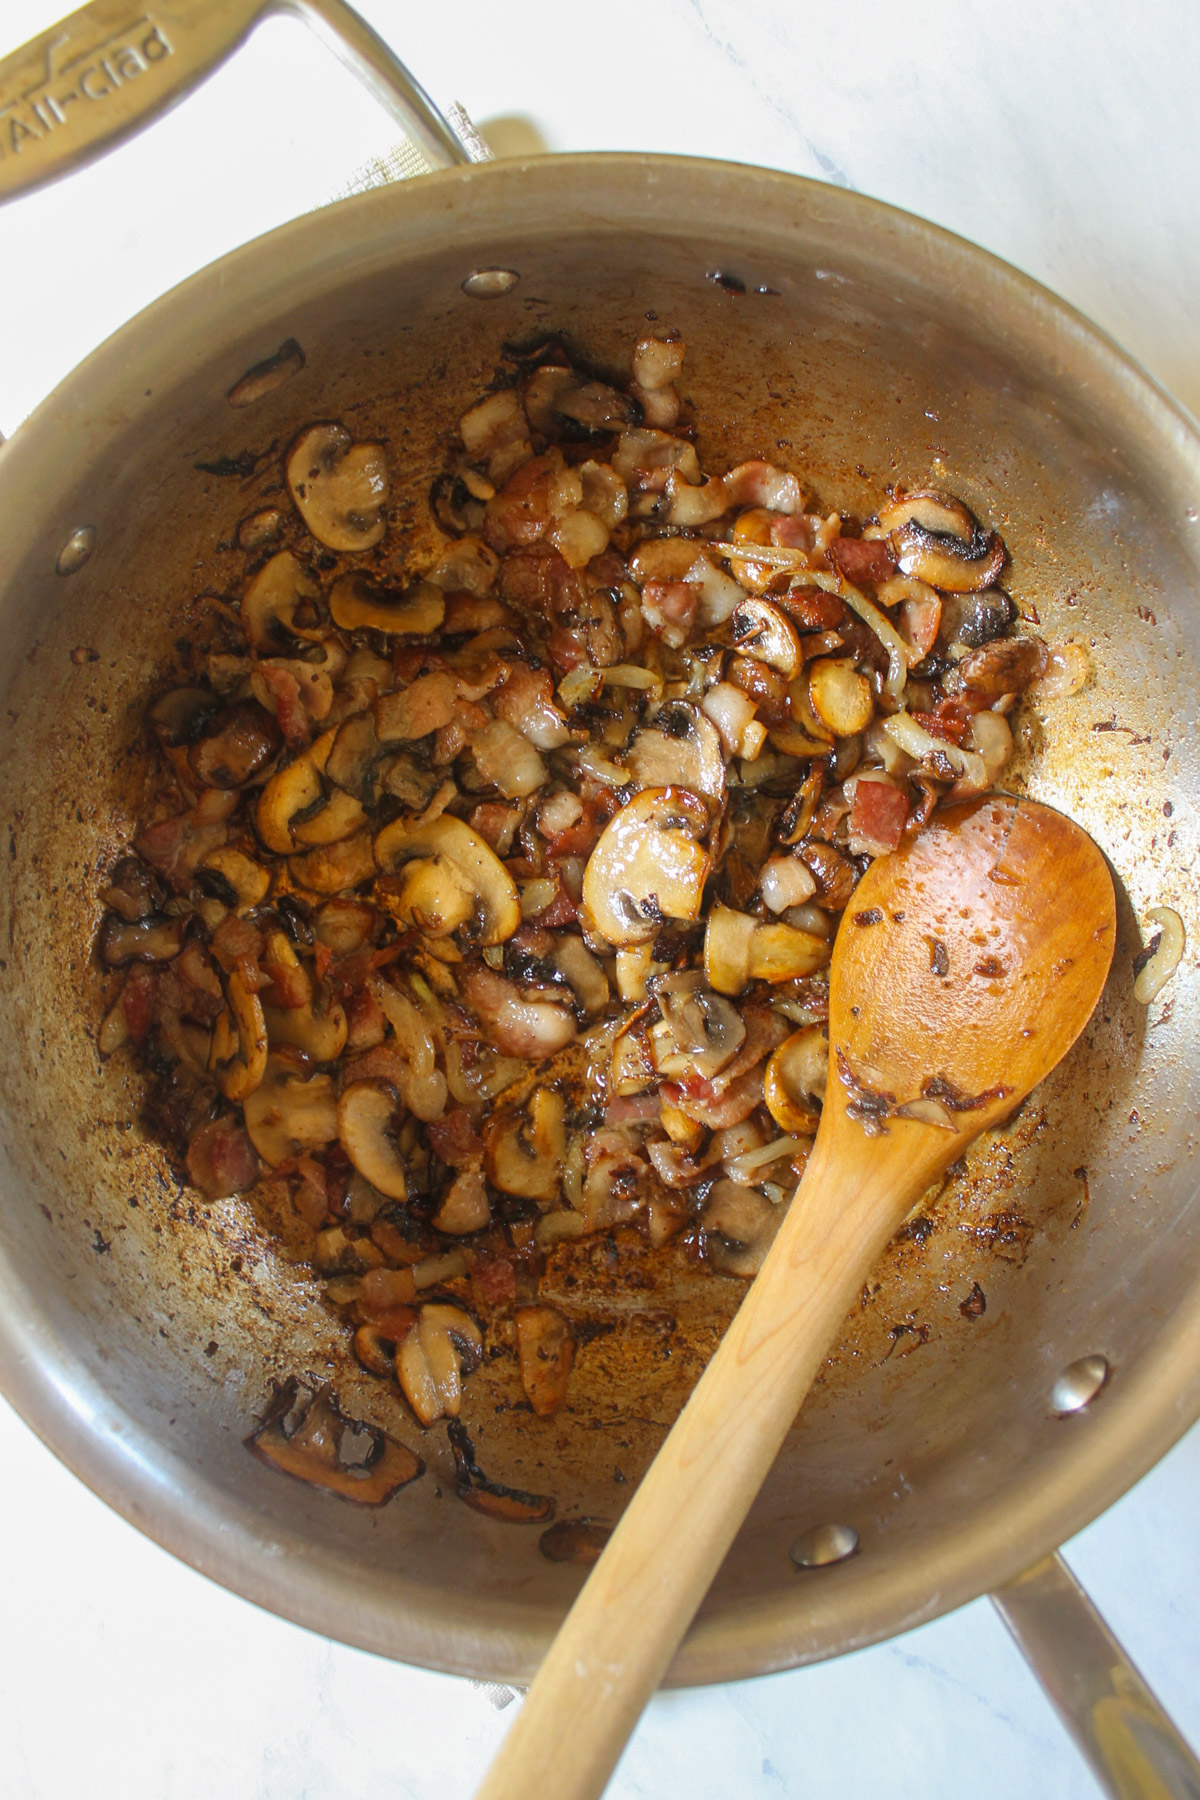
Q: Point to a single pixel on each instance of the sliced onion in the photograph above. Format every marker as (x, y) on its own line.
(1155, 974)
(744, 1168)
(968, 765)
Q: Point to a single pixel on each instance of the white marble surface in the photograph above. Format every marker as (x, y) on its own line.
(1066, 138)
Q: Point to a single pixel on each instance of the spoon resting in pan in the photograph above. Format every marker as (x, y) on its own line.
(966, 966)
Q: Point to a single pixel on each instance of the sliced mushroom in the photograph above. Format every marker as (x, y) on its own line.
(148, 940)
(795, 1079)
(442, 1347)
(239, 1075)
(366, 1117)
(703, 1031)
(290, 1112)
(294, 791)
(511, 1506)
(545, 1354)
(320, 1032)
(562, 403)
(739, 949)
(583, 973)
(449, 873)
(181, 716)
(524, 1157)
(354, 750)
(934, 537)
(322, 1448)
(467, 566)
(247, 881)
(841, 697)
(760, 630)
(340, 488)
(355, 602)
(282, 589)
(740, 1224)
(340, 816)
(647, 867)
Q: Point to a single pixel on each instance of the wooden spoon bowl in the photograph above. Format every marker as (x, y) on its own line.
(966, 966)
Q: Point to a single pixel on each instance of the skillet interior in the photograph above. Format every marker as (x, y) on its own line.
(140, 1330)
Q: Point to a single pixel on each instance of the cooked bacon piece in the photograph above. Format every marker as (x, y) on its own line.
(631, 1109)
(137, 1000)
(493, 1282)
(520, 512)
(669, 608)
(950, 721)
(365, 1024)
(454, 1139)
(920, 621)
(311, 1198)
(877, 816)
(175, 847)
(538, 578)
(221, 1160)
(496, 824)
(237, 943)
(862, 559)
(425, 705)
(696, 1099)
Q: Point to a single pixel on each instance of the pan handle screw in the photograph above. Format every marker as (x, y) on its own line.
(76, 550)
(1078, 1385)
(489, 284)
(824, 1544)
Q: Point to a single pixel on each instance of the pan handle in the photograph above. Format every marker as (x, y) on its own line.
(1134, 1750)
(107, 70)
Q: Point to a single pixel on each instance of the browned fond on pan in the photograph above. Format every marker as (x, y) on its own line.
(882, 351)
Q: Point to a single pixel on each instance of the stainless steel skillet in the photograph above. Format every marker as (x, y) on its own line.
(875, 321)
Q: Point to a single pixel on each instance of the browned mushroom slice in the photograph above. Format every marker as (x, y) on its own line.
(579, 1541)
(525, 1157)
(338, 819)
(355, 601)
(317, 1443)
(699, 1031)
(841, 697)
(647, 867)
(148, 940)
(282, 589)
(240, 880)
(340, 488)
(354, 750)
(178, 718)
(739, 949)
(319, 1031)
(563, 403)
(513, 1506)
(740, 1225)
(681, 749)
(366, 1117)
(545, 1353)
(236, 745)
(936, 538)
(442, 1347)
(760, 630)
(239, 1075)
(449, 873)
(294, 791)
(290, 1112)
(794, 1081)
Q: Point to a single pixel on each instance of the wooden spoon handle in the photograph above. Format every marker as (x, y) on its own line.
(629, 1619)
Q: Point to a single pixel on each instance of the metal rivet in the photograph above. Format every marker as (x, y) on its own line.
(1079, 1384)
(76, 550)
(824, 1544)
(489, 284)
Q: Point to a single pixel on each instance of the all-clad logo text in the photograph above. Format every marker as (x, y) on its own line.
(88, 76)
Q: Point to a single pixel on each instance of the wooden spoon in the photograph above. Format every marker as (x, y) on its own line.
(966, 966)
